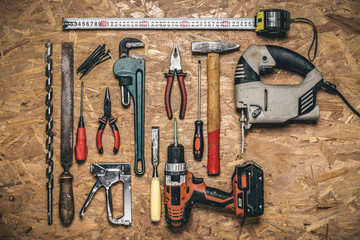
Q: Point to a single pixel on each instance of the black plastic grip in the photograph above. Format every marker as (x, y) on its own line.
(217, 193)
(198, 143)
(284, 59)
(200, 197)
(244, 73)
(290, 60)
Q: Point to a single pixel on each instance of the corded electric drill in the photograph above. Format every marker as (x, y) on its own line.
(182, 189)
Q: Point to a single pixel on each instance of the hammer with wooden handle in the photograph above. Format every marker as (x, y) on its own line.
(213, 50)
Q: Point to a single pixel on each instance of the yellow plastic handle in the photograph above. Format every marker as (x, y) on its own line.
(155, 200)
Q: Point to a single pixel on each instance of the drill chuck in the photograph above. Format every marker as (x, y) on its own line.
(175, 168)
(175, 153)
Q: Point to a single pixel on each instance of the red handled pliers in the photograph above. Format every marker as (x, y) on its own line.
(103, 120)
(175, 67)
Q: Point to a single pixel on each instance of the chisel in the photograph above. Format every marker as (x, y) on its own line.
(155, 194)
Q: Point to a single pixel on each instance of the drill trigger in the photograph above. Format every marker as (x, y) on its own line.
(197, 180)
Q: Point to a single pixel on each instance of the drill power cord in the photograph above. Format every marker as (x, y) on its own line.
(315, 36)
(332, 88)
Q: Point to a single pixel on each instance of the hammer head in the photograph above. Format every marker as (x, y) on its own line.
(213, 47)
(128, 43)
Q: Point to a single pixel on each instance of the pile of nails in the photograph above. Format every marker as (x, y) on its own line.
(98, 56)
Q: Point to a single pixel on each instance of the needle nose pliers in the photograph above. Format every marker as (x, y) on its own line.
(103, 120)
(175, 67)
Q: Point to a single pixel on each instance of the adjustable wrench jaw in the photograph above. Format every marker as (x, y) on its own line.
(109, 174)
(126, 44)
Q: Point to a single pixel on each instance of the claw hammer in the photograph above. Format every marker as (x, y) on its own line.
(213, 50)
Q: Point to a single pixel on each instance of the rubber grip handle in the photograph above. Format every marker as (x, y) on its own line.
(181, 77)
(155, 200)
(170, 80)
(290, 60)
(117, 141)
(198, 144)
(66, 203)
(213, 113)
(99, 136)
(80, 146)
(116, 135)
(209, 196)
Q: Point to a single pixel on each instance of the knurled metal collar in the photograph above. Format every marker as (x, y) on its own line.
(175, 167)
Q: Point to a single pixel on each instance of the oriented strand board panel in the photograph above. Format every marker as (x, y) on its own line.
(311, 170)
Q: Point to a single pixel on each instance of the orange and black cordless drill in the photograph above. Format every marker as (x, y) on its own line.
(182, 189)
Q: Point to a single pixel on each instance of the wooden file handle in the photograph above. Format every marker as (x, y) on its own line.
(66, 204)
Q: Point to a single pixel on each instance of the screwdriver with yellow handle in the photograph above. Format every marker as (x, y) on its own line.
(155, 193)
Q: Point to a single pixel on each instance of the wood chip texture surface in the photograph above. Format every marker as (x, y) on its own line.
(311, 170)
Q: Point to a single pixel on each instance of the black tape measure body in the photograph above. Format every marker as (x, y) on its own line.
(272, 22)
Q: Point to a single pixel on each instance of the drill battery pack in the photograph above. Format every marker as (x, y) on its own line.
(248, 189)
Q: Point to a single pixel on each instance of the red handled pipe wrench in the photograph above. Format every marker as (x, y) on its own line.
(175, 67)
(103, 120)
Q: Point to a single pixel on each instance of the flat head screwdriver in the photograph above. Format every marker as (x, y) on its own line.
(198, 145)
(80, 147)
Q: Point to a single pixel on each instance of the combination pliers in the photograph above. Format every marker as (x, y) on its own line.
(175, 67)
(103, 120)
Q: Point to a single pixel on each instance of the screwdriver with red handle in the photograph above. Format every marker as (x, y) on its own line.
(80, 147)
(198, 146)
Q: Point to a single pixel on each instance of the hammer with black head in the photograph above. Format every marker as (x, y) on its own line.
(213, 50)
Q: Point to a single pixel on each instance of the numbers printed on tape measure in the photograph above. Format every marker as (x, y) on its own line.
(159, 23)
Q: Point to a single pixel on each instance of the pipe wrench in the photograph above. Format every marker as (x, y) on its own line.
(258, 102)
(130, 71)
(108, 174)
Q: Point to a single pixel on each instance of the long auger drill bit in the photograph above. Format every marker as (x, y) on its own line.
(49, 132)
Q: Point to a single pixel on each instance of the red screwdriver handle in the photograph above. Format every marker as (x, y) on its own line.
(181, 77)
(116, 135)
(80, 147)
(170, 79)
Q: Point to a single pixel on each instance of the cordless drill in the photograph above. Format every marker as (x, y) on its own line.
(182, 189)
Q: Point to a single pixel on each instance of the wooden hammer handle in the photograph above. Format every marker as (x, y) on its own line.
(213, 113)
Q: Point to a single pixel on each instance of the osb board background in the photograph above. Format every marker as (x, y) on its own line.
(312, 183)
